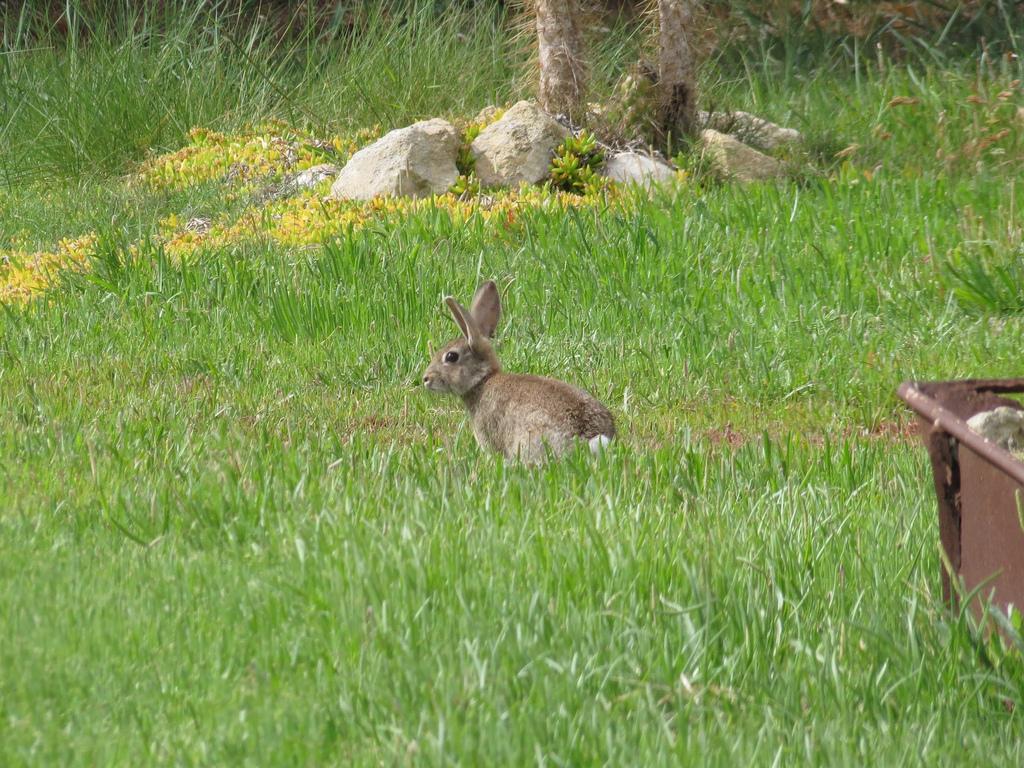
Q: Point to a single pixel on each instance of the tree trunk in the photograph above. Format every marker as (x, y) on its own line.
(677, 87)
(560, 45)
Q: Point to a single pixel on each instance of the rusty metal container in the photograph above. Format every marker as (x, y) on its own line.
(980, 488)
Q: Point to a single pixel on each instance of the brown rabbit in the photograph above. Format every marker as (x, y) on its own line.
(524, 417)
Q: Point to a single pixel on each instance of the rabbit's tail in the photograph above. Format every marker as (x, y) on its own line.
(598, 443)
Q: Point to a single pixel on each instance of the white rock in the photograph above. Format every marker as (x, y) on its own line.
(416, 161)
(1003, 426)
(198, 224)
(750, 129)
(311, 176)
(638, 169)
(734, 160)
(296, 182)
(518, 147)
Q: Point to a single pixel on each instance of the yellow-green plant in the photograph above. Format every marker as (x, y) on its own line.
(465, 161)
(467, 185)
(575, 165)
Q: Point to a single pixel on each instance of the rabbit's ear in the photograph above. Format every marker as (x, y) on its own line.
(467, 324)
(486, 308)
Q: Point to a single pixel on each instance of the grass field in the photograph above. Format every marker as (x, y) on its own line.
(234, 530)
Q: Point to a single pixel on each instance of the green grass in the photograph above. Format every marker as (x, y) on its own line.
(94, 103)
(234, 529)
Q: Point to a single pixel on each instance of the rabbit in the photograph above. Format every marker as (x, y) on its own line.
(526, 418)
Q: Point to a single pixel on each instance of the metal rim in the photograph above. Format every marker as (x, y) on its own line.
(945, 420)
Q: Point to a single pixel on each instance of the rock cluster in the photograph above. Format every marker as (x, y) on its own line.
(422, 159)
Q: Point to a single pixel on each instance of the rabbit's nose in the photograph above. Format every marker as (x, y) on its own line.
(426, 378)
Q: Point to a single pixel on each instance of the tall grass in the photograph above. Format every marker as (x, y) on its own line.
(96, 92)
(94, 102)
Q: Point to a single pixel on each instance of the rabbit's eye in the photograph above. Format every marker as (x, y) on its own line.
(451, 357)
